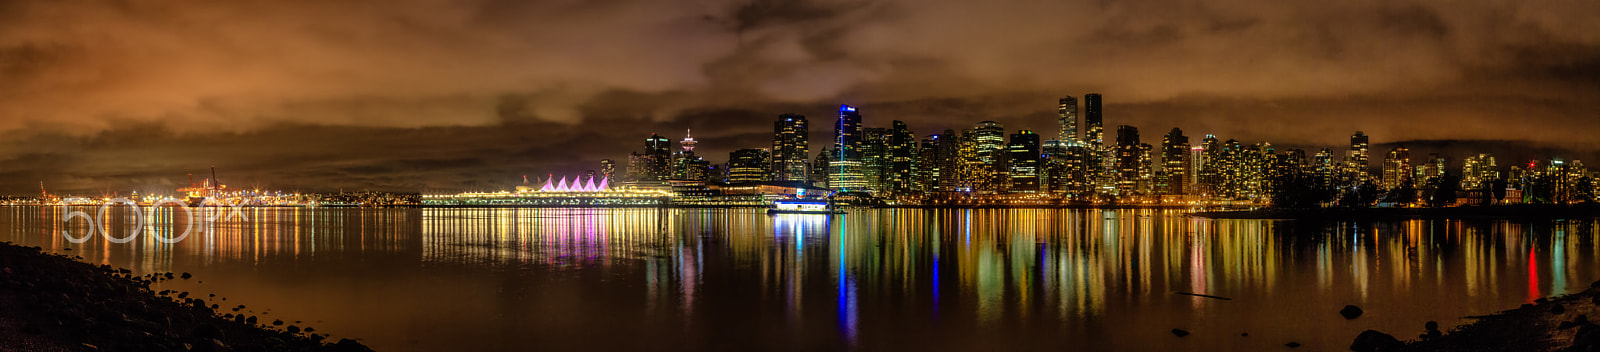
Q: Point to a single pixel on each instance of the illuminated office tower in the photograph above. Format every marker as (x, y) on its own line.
(902, 163)
(1067, 115)
(989, 141)
(939, 162)
(790, 135)
(1128, 158)
(1023, 162)
(655, 164)
(1396, 168)
(820, 168)
(875, 158)
(1209, 178)
(1356, 158)
(1093, 131)
(1174, 162)
(1196, 161)
(1477, 172)
(1430, 171)
(846, 172)
(1324, 167)
(608, 169)
(749, 165)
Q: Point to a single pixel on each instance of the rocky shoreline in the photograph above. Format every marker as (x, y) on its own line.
(54, 303)
(1525, 211)
(1559, 323)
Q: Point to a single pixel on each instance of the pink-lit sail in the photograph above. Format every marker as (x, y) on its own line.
(578, 184)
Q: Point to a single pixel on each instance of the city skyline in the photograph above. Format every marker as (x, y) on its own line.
(415, 95)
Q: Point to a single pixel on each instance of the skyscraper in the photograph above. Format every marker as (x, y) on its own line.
(989, 141)
(789, 148)
(1478, 172)
(1396, 168)
(1128, 158)
(875, 158)
(845, 172)
(902, 159)
(749, 165)
(1093, 132)
(1023, 162)
(1356, 158)
(1067, 115)
(1175, 162)
(655, 164)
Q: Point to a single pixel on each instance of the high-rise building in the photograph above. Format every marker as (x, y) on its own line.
(940, 162)
(1175, 162)
(820, 168)
(902, 147)
(1478, 172)
(789, 148)
(1129, 157)
(749, 165)
(1431, 170)
(655, 164)
(875, 158)
(989, 143)
(1093, 132)
(1067, 115)
(846, 172)
(1023, 161)
(608, 169)
(1208, 178)
(1356, 158)
(1396, 168)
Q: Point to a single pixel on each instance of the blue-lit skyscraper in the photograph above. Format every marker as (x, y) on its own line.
(845, 169)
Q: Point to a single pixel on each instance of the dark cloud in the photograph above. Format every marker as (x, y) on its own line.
(435, 94)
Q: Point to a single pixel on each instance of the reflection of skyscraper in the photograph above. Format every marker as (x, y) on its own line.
(748, 165)
(789, 148)
(845, 169)
(1067, 115)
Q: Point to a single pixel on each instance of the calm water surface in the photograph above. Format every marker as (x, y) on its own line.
(692, 279)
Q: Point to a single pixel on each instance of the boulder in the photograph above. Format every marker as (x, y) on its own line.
(1375, 341)
(1292, 344)
(1180, 332)
(1350, 312)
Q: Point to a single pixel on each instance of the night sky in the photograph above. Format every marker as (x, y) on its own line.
(409, 95)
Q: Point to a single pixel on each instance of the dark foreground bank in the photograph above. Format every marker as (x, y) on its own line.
(1555, 324)
(1469, 212)
(54, 303)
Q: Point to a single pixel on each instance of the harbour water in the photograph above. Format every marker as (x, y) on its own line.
(875, 279)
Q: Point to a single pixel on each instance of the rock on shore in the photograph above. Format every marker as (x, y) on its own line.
(1555, 324)
(55, 303)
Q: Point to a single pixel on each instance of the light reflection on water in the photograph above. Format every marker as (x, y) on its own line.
(510, 279)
